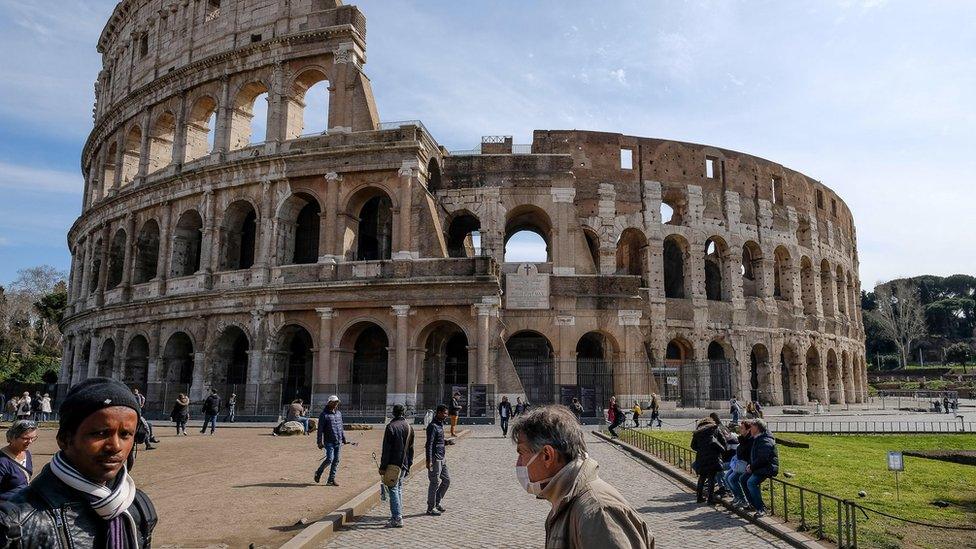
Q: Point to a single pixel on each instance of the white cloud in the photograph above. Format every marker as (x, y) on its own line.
(27, 178)
(620, 75)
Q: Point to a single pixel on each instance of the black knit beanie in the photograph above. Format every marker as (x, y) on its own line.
(90, 396)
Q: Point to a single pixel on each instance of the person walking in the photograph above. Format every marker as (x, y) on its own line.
(708, 458)
(435, 460)
(181, 414)
(455, 412)
(759, 409)
(737, 467)
(24, 407)
(16, 462)
(763, 464)
(945, 403)
(211, 407)
(636, 412)
(296, 412)
(11, 408)
(396, 460)
(615, 416)
(36, 406)
(330, 438)
(504, 414)
(232, 409)
(519, 407)
(140, 398)
(735, 410)
(655, 409)
(577, 409)
(46, 407)
(553, 465)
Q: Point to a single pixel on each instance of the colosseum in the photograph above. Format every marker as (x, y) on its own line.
(222, 247)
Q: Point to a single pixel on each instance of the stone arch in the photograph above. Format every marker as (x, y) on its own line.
(433, 175)
(593, 246)
(532, 355)
(116, 260)
(595, 352)
(674, 206)
(790, 376)
(835, 378)
(716, 268)
(529, 218)
(815, 375)
(751, 268)
(679, 359)
(721, 357)
(782, 274)
(161, 139)
(293, 353)
(146, 265)
(850, 386)
(309, 78)
(760, 375)
(841, 293)
(238, 236)
(807, 288)
(178, 359)
(299, 223)
(676, 276)
(853, 296)
(229, 357)
(632, 254)
(447, 360)
(201, 121)
(463, 235)
(369, 225)
(94, 278)
(366, 346)
(108, 168)
(131, 150)
(187, 244)
(826, 288)
(135, 371)
(106, 359)
(242, 125)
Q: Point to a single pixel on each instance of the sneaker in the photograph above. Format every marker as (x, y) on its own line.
(395, 523)
(331, 483)
(318, 476)
(759, 514)
(433, 512)
(738, 503)
(440, 508)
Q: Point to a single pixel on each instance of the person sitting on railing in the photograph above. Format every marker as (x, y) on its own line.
(737, 467)
(708, 446)
(763, 464)
(731, 442)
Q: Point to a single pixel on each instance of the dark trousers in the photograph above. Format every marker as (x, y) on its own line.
(504, 423)
(440, 480)
(706, 485)
(210, 419)
(616, 423)
(181, 425)
(655, 416)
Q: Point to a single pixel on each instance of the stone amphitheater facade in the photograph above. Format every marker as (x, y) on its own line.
(368, 260)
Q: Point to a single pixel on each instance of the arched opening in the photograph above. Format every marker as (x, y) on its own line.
(464, 236)
(716, 259)
(308, 108)
(249, 119)
(161, 142)
(826, 288)
(815, 377)
(532, 356)
(433, 175)
(674, 267)
(594, 372)
(674, 205)
(593, 246)
(130, 155)
(852, 296)
(200, 124)
(116, 260)
(187, 244)
(94, 278)
(299, 221)
(807, 288)
(528, 234)
(851, 388)
(105, 365)
(445, 363)
(135, 373)
(374, 231)
(841, 294)
(230, 358)
(368, 371)
(760, 385)
(751, 267)
(719, 371)
(178, 361)
(108, 169)
(294, 353)
(684, 381)
(804, 236)
(238, 237)
(787, 360)
(147, 253)
(632, 255)
(782, 275)
(667, 214)
(834, 378)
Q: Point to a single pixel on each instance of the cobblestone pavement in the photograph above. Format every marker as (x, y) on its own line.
(487, 508)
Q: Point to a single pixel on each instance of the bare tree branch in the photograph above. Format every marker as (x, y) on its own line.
(901, 315)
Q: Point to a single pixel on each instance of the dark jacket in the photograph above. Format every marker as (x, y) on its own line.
(764, 460)
(455, 407)
(434, 447)
(211, 406)
(708, 448)
(12, 475)
(507, 406)
(49, 514)
(180, 411)
(330, 428)
(397, 445)
(744, 451)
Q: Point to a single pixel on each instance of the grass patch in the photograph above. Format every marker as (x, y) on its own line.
(843, 465)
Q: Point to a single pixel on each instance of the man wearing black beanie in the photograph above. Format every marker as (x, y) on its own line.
(87, 483)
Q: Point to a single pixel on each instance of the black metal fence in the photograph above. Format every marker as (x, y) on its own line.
(872, 427)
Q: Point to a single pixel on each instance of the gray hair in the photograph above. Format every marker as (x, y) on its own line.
(20, 428)
(553, 425)
(761, 423)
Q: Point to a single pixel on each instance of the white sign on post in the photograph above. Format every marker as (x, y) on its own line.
(895, 461)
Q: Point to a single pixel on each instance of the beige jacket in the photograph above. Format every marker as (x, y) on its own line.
(587, 512)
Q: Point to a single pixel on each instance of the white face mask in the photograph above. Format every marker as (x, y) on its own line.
(522, 473)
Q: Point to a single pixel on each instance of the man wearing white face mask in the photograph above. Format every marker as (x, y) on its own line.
(553, 465)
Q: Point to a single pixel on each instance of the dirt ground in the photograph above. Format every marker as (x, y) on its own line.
(242, 485)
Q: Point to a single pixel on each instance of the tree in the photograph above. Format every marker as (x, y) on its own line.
(958, 353)
(900, 315)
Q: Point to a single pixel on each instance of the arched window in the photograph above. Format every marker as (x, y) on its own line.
(250, 118)
(815, 386)
(187, 241)
(787, 362)
(826, 288)
(841, 293)
(116, 260)
(760, 389)
(716, 259)
(238, 236)
(375, 235)
(835, 379)
(161, 142)
(782, 275)
(130, 155)
(108, 169)
(527, 236)
(807, 286)
(308, 108)
(674, 267)
(94, 278)
(136, 370)
(146, 266)
(230, 358)
(593, 246)
(632, 254)
(200, 124)
(178, 360)
(106, 359)
(750, 268)
(464, 236)
(433, 175)
(298, 230)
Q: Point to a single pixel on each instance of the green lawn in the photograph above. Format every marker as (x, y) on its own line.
(843, 465)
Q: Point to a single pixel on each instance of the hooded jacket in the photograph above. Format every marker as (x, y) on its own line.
(709, 446)
(764, 460)
(589, 512)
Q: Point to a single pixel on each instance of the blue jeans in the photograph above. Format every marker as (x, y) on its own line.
(209, 419)
(331, 455)
(303, 421)
(753, 490)
(396, 499)
(732, 481)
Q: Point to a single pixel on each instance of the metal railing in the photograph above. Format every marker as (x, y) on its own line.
(872, 427)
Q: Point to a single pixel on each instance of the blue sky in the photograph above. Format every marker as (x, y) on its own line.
(872, 97)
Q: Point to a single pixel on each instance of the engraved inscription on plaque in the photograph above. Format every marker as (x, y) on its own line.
(526, 288)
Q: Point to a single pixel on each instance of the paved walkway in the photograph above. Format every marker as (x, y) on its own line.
(486, 507)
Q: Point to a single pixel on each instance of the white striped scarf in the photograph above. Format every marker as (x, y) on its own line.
(109, 503)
